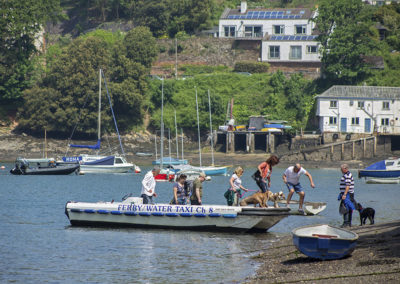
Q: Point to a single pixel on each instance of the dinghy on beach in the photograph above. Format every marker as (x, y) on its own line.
(132, 213)
(324, 241)
(311, 208)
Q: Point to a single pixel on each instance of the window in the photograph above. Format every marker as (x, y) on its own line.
(300, 29)
(332, 120)
(385, 105)
(230, 31)
(274, 52)
(118, 161)
(295, 52)
(351, 103)
(360, 105)
(252, 31)
(279, 30)
(385, 121)
(355, 121)
(333, 104)
(312, 49)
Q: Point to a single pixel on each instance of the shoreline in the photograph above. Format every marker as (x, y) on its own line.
(376, 259)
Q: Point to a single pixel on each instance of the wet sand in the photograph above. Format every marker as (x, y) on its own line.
(376, 259)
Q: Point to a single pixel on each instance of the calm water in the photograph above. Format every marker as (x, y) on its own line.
(38, 244)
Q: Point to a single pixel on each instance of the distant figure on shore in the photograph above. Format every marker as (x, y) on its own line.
(346, 195)
(264, 171)
(197, 190)
(291, 177)
(149, 186)
(181, 196)
(235, 191)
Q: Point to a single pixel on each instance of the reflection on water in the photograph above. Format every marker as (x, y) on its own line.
(39, 245)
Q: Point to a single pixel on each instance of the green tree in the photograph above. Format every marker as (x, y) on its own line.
(20, 22)
(345, 37)
(141, 46)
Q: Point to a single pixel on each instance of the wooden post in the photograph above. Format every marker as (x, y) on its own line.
(272, 143)
(227, 142)
(374, 145)
(353, 154)
(267, 143)
(342, 152)
(364, 147)
(332, 149)
(253, 143)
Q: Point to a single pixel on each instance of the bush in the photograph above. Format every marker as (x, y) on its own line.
(192, 70)
(251, 67)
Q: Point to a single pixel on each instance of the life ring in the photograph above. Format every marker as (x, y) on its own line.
(391, 122)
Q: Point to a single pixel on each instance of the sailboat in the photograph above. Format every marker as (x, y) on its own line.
(100, 163)
(165, 174)
(208, 170)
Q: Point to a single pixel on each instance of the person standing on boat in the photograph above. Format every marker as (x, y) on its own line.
(291, 177)
(347, 194)
(264, 172)
(149, 186)
(180, 194)
(235, 191)
(197, 190)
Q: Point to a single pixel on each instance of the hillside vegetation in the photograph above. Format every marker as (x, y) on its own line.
(57, 89)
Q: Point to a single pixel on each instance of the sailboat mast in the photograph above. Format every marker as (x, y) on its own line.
(198, 126)
(176, 138)
(182, 142)
(155, 143)
(211, 130)
(162, 125)
(99, 114)
(169, 145)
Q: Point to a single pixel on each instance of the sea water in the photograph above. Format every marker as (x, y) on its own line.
(39, 245)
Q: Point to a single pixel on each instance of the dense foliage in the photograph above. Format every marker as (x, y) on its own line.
(67, 96)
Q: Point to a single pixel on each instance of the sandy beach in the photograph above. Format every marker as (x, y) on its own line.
(376, 259)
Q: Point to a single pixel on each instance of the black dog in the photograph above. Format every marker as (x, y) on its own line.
(366, 213)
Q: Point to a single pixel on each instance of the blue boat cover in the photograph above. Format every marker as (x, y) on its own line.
(279, 126)
(377, 166)
(95, 147)
(170, 161)
(107, 161)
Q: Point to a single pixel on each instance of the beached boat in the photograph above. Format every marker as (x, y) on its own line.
(324, 241)
(383, 180)
(311, 208)
(132, 213)
(389, 168)
(43, 166)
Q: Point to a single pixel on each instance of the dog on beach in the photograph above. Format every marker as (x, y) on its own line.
(366, 213)
(261, 199)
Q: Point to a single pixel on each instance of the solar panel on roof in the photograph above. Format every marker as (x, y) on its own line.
(302, 12)
(279, 37)
(279, 17)
(288, 12)
(297, 37)
(249, 16)
(250, 12)
(230, 17)
(297, 17)
(236, 17)
(286, 37)
(291, 37)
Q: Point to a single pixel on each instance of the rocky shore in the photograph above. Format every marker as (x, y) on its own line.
(376, 259)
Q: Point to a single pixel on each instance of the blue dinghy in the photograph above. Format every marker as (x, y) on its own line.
(389, 168)
(324, 241)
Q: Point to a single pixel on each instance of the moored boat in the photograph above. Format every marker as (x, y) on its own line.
(132, 213)
(324, 241)
(383, 180)
(311, 208)
(389, 168)
(43, 167)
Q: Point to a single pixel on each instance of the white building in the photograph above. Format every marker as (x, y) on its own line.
(359, 109)
(286, 34)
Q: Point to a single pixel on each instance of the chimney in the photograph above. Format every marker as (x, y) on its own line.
(243, 7)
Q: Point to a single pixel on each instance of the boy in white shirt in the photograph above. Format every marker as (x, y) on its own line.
(291, 178)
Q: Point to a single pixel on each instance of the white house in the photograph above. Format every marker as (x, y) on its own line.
(286, 34)
(359, 109)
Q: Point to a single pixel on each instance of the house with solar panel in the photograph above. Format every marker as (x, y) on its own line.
(359, 109)
(286, 35)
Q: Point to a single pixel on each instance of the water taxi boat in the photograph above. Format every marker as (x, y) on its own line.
(389, 168)
(132, 213)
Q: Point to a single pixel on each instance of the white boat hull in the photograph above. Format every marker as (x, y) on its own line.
(311, 208)
(210, 217)
(120, 168)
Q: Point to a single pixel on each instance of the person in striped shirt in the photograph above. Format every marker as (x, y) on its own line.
(347, 194)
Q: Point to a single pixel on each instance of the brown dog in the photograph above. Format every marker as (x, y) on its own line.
(262, 199)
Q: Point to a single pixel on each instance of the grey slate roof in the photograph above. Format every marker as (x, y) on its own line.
(367, 92)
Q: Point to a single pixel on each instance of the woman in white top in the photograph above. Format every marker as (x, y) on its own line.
(236, 185)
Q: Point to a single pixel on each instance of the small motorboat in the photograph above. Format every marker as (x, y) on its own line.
(144, 154)
(324, 241)
(132, 213)
(389, 168)
(43, 167)
(311, 208)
